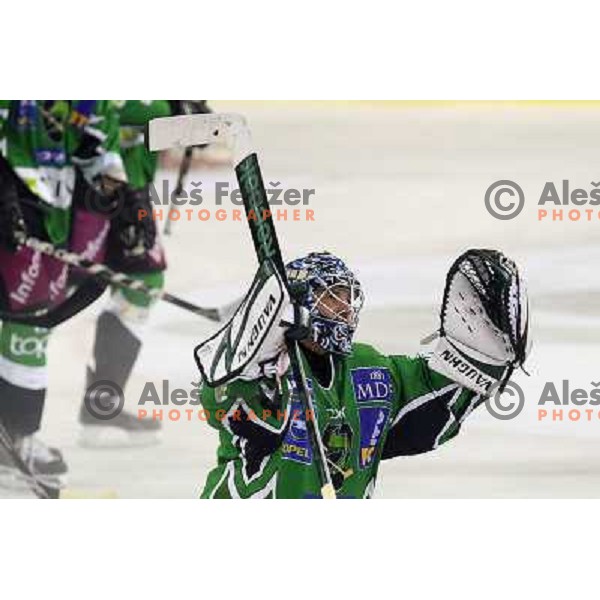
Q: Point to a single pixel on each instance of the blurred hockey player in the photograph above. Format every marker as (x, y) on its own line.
(64, 169)
(369, 406)
(45, 146)
(119, 328)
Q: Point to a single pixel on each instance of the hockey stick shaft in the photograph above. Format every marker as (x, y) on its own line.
(117, 279)
(266, 245)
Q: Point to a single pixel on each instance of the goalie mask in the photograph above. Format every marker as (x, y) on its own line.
(484, 331)
(324, 285)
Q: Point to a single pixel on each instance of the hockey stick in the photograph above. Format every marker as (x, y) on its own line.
(120, 279)
(201, 129)
(37, 487)
(184, 168)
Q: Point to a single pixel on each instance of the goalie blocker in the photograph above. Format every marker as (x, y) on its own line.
(251, 344)
(484, 329)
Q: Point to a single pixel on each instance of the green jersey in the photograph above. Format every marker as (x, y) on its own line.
(373, 406)
(140, 163)
(41, 139)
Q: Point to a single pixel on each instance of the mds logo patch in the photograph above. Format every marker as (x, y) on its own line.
(371, 383)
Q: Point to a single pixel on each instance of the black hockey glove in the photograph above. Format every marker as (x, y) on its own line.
(12, 224)
(135, 228)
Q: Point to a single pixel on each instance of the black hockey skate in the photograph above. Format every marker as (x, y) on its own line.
(109, 426)
(123, 430)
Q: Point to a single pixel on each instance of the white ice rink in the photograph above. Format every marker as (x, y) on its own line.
(399, 194)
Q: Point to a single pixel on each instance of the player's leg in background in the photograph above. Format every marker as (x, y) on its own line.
(118, 340)
(117, 344)
(28, 280)
(23, 384)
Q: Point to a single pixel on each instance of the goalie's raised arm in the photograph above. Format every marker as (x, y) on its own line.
(483, 337)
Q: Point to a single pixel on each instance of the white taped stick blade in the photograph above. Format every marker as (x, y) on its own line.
(181, 131)
(191, 130)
